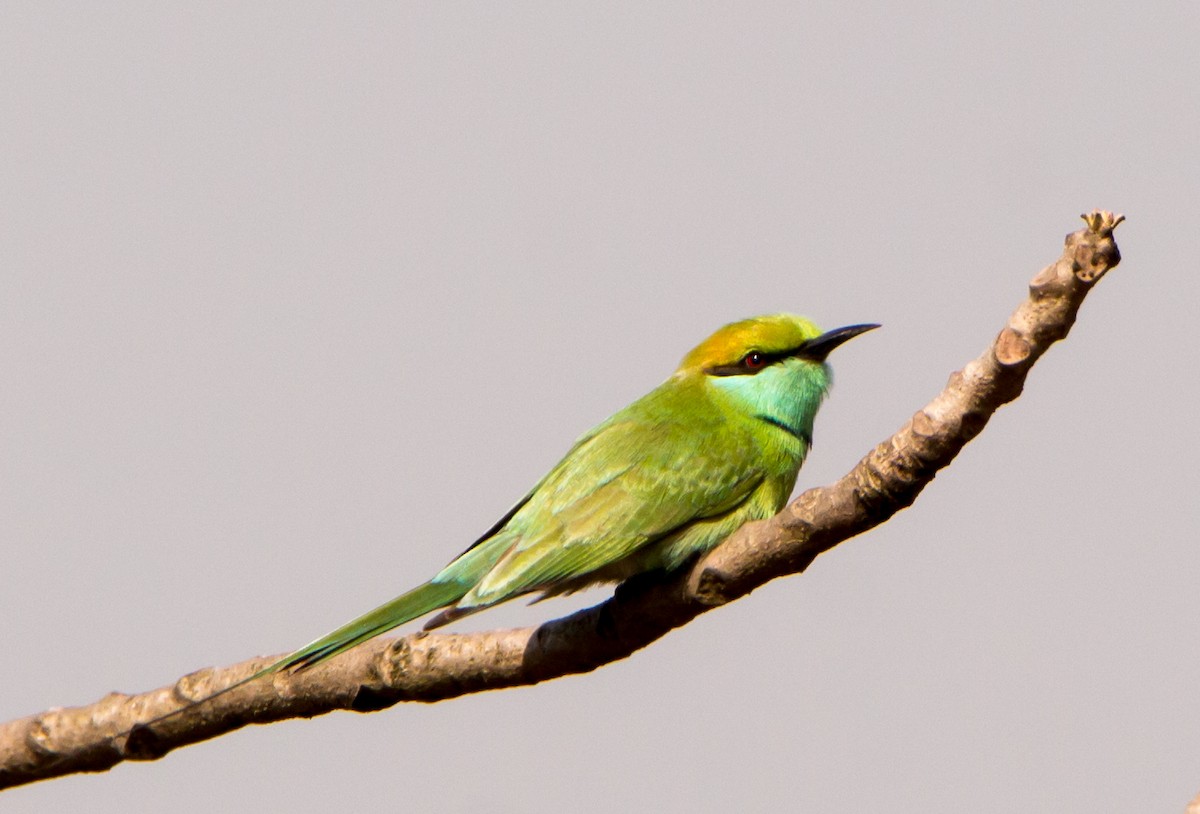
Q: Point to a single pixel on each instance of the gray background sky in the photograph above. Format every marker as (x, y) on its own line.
(296, 300)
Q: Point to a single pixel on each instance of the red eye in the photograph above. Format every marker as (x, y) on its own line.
(754, 360)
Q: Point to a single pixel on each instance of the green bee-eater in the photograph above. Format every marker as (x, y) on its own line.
(717, 444)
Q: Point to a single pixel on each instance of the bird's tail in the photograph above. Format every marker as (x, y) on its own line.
(404, 608)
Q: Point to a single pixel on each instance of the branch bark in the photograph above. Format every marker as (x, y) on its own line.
(433, 667)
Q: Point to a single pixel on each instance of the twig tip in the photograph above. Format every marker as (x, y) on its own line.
(1102, 222)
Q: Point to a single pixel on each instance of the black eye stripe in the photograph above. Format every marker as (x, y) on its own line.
(744, 367)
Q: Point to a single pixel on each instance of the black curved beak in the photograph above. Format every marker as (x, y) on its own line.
(819, 348)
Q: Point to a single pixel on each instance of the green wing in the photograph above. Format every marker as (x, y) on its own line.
(620, 489)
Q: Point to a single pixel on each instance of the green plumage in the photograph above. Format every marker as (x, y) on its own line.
(671, 475)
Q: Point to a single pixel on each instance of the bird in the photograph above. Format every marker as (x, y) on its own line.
(718, 444)
(667, 478)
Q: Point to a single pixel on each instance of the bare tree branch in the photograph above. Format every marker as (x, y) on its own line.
(433, 667)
